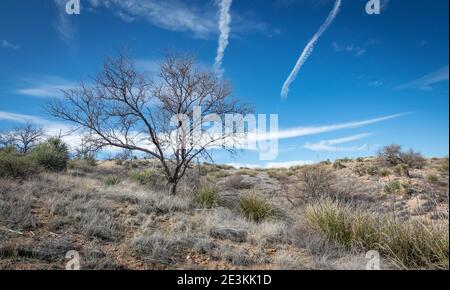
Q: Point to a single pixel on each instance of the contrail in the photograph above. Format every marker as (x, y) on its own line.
(224, 27)
(309, 49)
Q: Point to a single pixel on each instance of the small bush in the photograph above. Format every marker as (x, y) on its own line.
(206, 194)
(432, 179)
(147, 177)
(384, 172)
(52, 155)
(338, 164)
(316, 181)
(111, 180)
(248, 172)
(393, 187)
(360, 159)
(16, 166)
(255, 208)
(372, 170)
(360, 169)
(237, 182)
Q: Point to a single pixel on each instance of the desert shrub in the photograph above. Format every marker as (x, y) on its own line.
(338, 164)
(384, 172)
(278, 174)
(220, 174)
(412, 244)
(52, 155)
(147, 177)
(111, 180)
(402, 170)
(13, 165)
(390, 155)
(360, 169)
(248, 172)
(237, 182)
(360, 159)
(206, 194)
(372, 170)
(432, 179)
(316, 181)
(407, 187)
(255, 208)
(393, 187)
(413, 159)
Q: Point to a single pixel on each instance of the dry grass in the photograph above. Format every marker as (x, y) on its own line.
(410, 245)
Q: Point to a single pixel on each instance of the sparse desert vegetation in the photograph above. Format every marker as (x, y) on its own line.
(318, 216)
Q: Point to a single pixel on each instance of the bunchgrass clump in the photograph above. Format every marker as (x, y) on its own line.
(255, 208)
(111, 180)
(206, 194)
(408, 245)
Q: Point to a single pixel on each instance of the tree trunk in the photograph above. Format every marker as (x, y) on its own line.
(173, 188)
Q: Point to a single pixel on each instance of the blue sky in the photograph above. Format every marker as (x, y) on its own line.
(363, 67)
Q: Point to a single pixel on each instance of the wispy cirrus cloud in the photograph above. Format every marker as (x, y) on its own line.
(350, 48)
(46, 87)
(426, 82)
(308, 50)
(333, 145)
(224, 28)
(64, 27)
(9, 45)
(172, 15)
(315, 130)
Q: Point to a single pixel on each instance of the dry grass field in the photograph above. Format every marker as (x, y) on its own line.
(118, 215)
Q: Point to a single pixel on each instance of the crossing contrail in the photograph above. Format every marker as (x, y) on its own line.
(224, 28)
(309, 49)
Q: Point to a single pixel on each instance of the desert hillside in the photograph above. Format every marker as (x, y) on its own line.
(118, 215)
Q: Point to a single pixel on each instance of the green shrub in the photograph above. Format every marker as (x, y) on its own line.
(384, 172)
(360, 159)
(393, 187)
(146, 177)
(432, 179)
(14, 165)
(410, 245)
(111, 180)
(206, 194)
(360, 169)
(53, 155)
(372, 170)
(255, 208)
(338, 164)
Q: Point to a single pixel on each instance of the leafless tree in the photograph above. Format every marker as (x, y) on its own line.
(125, 109)
(24, 138)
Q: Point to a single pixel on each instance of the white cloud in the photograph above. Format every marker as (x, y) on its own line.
(64, 27)
(426, 82)
(224, 28)
(46, 87)
(310, 48)
(333, 145)
(172, 15)
(9, 45)
(314, 130)
(350, 48)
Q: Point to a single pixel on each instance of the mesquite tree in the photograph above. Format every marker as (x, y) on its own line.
(130, 110)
